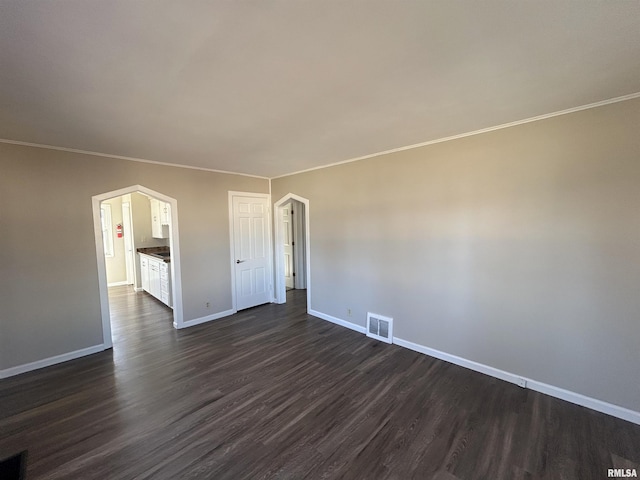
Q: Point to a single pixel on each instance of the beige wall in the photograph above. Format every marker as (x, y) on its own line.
(49, 297)
(116, 266)
(518, 249)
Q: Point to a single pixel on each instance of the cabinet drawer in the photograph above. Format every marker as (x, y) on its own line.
(164, 275)
(164, 267)
(164, 297)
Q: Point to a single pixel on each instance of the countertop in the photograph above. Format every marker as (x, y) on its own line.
(161, 253)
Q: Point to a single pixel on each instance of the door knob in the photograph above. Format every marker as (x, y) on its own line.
(239, 261)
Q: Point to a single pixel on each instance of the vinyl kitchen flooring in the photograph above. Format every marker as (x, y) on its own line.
(272, 392)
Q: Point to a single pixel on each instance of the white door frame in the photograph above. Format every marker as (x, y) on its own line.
(232, 257)
(174, 245)
(129, 257)
(280, 289)
(291, 245)
(299, 257)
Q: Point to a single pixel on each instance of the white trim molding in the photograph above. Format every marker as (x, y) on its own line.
(118, 284)
(130, 159)
(469, 134)
(462, 362)
(47, 362)
(557, 392)
(338, 321)
(207, 318)
(601, 103)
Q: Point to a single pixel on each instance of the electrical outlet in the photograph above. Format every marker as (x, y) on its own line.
(522, 382)
(208, 304)
(349, 312)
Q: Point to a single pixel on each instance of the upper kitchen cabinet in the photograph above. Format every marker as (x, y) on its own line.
(165, 213)
(160, 218)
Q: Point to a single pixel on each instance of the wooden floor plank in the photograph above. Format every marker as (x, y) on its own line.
(275, 393)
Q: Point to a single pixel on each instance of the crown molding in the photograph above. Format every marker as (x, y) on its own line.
(567, 111)
(121, 157)
(469, 134)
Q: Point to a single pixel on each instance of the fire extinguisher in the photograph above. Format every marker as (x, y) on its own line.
(119, 230)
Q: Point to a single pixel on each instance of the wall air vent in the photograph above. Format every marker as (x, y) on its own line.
(380, 327)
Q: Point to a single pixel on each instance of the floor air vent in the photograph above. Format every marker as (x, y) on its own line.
(379, 327)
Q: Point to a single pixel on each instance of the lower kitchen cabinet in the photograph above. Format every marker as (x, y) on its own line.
(165, 283)
(144, 272)
(156, 278)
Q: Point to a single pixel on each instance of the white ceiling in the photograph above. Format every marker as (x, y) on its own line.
(273, 87)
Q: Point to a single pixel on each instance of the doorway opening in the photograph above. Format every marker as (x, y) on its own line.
(118, 242)
(292, 252)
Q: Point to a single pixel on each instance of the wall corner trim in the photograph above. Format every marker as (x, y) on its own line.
(557, 392)
(47, 362)
(207, 318)
(338, 321)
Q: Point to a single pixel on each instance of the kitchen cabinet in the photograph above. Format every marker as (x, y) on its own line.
(160, 215)
(165, 213)
(144, 272)
(155, 277)
(165, 284)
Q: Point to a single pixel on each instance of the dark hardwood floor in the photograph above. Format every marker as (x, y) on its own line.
(274, 393)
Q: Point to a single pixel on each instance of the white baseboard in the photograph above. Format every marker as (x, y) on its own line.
(573, 397)
(117, 284)
(138, 289)
(463, 362)
(47, 362)
(338, 321)
(208, 318)
(589, 402)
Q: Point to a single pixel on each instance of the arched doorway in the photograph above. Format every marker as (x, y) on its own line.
(174, 244)
(279, 227)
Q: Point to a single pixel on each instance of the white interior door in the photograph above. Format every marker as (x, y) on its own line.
(128, 242)
(287, 243)
(251, 251)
